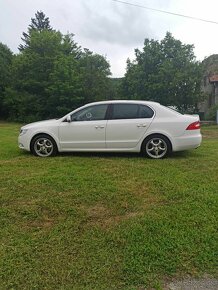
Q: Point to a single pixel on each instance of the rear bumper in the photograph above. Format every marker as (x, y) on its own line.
(186, 142)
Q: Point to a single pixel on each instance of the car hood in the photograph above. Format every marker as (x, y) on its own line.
(40, 124)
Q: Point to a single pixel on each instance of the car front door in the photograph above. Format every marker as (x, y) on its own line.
(127, 125)
(86, 129)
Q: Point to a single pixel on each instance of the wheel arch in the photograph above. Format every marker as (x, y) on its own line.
(42, 133)
(156, 134)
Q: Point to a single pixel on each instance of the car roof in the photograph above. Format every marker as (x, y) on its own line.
(124, 101)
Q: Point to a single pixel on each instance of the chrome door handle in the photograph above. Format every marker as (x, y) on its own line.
(99, 127)
(141, 125)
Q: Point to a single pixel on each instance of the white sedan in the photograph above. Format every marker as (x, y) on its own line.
(114, 126)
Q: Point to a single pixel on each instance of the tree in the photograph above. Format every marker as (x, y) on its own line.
(37, 72)
(52, 76)
(164, 71)
(95, 71)
(65, 86)
(39, 23)
(6, 57)
(115, 88)
(212, 113)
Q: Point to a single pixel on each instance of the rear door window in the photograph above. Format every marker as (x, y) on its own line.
(125, 111)
(145, 112)
(131, 111)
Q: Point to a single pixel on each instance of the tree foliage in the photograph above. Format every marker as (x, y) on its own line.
(115, 89)
(6, 57)
(165, 71)
(212, 113)
(52, 75)
(95, 71)
(38, 24)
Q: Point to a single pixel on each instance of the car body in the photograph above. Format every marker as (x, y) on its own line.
(114, 126)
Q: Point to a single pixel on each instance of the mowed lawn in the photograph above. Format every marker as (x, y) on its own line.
(106, 221)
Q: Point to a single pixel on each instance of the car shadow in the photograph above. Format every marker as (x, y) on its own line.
(174, 155)
(100, 154)
(180, 155)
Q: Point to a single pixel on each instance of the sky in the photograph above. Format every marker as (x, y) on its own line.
(113, 29)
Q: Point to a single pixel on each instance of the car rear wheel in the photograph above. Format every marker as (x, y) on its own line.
(156, 146)
(43, 146)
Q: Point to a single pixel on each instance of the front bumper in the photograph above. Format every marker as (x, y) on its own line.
(24, 142)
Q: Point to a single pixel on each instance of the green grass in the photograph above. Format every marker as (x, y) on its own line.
(106, 221)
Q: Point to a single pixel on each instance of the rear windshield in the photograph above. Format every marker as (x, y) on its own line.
(174, 110)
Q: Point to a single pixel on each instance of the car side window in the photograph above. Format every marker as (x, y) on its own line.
(131, 111)
(145, 112)
(92, 113)
(125, 111)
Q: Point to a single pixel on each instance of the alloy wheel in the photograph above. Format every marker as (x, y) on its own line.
(43, 147)
(156, 148)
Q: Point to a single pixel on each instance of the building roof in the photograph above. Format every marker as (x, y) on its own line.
(213, 78)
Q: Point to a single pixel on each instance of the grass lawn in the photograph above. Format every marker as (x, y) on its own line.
(106, 221)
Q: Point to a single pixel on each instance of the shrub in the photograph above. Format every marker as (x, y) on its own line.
(211, 115)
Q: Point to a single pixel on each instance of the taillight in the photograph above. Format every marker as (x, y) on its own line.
(194, 126)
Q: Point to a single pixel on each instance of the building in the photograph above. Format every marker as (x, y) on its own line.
(209, 84)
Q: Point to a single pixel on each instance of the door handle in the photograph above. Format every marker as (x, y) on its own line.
(141, 125)
(99, 127)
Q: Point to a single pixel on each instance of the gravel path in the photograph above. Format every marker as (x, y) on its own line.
(194, 284)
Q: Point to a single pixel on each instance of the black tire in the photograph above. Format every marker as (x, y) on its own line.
(156, 146)
(43, 146)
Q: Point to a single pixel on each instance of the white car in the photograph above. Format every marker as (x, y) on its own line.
(114, 126)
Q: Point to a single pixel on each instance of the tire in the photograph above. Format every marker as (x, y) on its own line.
(43, 146)
(156, 146)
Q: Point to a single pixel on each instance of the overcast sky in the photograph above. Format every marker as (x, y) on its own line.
(114, 29)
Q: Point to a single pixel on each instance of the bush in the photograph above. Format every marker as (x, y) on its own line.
(211, 115)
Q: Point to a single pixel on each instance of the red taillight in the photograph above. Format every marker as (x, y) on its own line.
(194, 126)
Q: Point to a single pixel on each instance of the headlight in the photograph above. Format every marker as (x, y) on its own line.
(23, 131)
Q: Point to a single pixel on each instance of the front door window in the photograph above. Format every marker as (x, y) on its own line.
(92, 113)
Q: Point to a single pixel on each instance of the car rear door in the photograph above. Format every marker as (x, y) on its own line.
(127, 125)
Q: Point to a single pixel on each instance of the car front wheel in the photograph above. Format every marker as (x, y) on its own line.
(156, 146)
(43, 146)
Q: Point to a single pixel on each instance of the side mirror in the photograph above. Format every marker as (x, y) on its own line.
(69, 119)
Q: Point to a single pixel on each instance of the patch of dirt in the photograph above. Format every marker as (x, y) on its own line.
(99, 215)
(97, 211)
(193, 284)
(25, 202)
(116, 219)
(210, 134)
(136, 187)
(45, 223)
